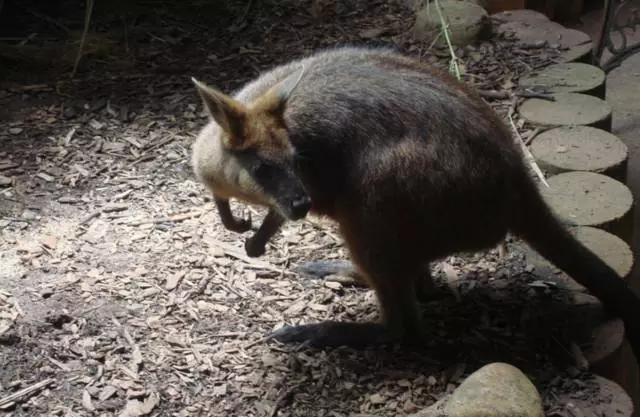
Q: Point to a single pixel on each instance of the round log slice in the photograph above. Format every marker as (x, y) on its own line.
(571, 77)
(590, 199)
(578, 53)
(606, 340)
(607, 399)
(534, 32)
(610, 248)
(520, 15)
(467, 23)
(580, 148)
(568, 109)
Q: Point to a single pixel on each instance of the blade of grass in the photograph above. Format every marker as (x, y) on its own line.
(83, 39)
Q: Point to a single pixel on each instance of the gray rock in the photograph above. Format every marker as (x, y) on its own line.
(495, 390)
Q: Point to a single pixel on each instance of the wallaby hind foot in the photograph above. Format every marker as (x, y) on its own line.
(426, 290)
(336, 333)
(397, 280)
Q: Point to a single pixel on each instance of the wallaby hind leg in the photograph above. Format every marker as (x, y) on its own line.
(393, 280)
(256, 245)
(322, 269)
(228, 219)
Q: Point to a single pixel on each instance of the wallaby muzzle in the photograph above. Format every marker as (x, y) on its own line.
(291, 199)
(299, 207)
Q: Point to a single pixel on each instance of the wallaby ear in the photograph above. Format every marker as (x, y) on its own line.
(285, 88)
(275, 99)
(225, 110)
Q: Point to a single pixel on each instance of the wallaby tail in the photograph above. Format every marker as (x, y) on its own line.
(545, 234)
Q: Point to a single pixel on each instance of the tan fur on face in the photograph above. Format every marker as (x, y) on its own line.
(223, 176)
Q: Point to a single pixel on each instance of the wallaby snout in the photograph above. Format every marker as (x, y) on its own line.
(300, 207)
(292, 199)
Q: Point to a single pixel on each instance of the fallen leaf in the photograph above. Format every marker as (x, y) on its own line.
(174, 280)
(135, 408)
(45, 176)
(377, 399)
(373, 33)
(107, 392)
(86, 401)
(220, 390)
(49, 242)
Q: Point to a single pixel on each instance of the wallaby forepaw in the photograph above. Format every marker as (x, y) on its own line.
(253, 248)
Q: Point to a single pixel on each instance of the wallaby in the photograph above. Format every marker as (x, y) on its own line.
(411, 164)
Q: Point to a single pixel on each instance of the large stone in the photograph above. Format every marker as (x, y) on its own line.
(467, 22)
(495, 390)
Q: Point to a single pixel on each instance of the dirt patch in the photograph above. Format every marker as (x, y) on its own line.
(120, 284)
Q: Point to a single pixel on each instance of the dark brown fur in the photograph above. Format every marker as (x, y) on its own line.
(413, 166)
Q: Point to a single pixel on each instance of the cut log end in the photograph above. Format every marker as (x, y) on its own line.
(568, 78)
(579, 53)
(606, 340)
(468, 22)
(608, 399)
(590, 199)
(520, 15)
(568, 109)
(580, 148)
(533, 32)
(610, 248)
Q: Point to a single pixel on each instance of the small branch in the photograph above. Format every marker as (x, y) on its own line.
(526, 151)
(282, 399)
(453, 64)
(83, 39)
(24, 393)
(170, 219)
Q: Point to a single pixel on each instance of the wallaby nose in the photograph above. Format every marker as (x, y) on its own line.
(300, 207)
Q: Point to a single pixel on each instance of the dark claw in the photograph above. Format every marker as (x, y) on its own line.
(254, 249)
(240, 225)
